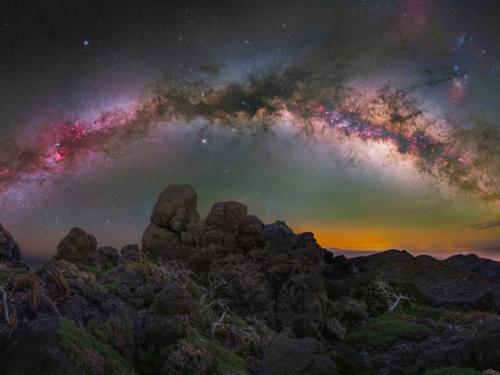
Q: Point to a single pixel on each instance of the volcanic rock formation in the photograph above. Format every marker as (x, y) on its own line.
(231, 295)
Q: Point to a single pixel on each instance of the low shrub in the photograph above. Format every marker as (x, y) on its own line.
(385, 330)
(90, 354)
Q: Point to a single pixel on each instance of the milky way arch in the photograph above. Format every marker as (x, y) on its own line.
(463, 158)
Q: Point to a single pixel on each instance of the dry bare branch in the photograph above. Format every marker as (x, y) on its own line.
(392, 296)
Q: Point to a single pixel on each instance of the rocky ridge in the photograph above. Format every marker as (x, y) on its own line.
(228, 294)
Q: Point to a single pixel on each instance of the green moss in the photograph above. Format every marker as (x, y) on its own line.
(112, 287)
(452, 371)
(144, 267)
(117, 332)
(201, 355)
(385, 330)
(90, 354)
(225, 360)
(97, 271)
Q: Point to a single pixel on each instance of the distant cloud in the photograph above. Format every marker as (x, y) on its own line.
(488, 225)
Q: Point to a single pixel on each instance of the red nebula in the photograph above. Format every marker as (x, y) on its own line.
(456, 93)
(5, 172)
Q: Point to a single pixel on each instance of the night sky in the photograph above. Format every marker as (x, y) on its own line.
(373, 124)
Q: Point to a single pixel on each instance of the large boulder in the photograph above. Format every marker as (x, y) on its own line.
(227, 215)
(9, 251)
(77, 246)
(173, 300)
(288, 355)
(174, 214)
(175, 208)
(108, 256)
(161, 243)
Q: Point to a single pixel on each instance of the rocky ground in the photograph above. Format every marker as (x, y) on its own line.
(231, 295)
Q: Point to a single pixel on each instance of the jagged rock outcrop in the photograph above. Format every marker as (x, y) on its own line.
(77, 246)
(108, 255)
(230, 295)
(263, 270)
(175, 208)
(9, 251)
(173, 213)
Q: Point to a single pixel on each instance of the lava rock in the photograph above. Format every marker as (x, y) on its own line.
(173, 300)
(227, 215)
(108, 256)
(77, 246)
(161, 243)
(288, 355)
(175, 208)
(9, 251)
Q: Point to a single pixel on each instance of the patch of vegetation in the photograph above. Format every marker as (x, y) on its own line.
(97, 271)
(6, 274)
(225, 361)
(117, 332)
(387, 329)
(202, 355)
(112, 287)
(427, 312)
(90, 354)
(452, 371)
(144, 267)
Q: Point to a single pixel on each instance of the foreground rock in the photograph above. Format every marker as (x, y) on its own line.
(9, 251)
(230, 295)
(77, 246)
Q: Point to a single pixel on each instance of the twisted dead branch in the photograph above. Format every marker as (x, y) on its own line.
(10, 317)
(30, 283)
(60, 281)
(392, 296)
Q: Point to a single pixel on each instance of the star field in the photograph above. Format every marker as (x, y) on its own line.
(373, 124)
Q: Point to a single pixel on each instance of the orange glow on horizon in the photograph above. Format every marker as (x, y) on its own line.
(380, 237)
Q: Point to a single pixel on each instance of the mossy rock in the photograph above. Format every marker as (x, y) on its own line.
(143, 266)
(452, 371)
(90, 354)
(204, 356)
(385, 330)
(96, 270)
